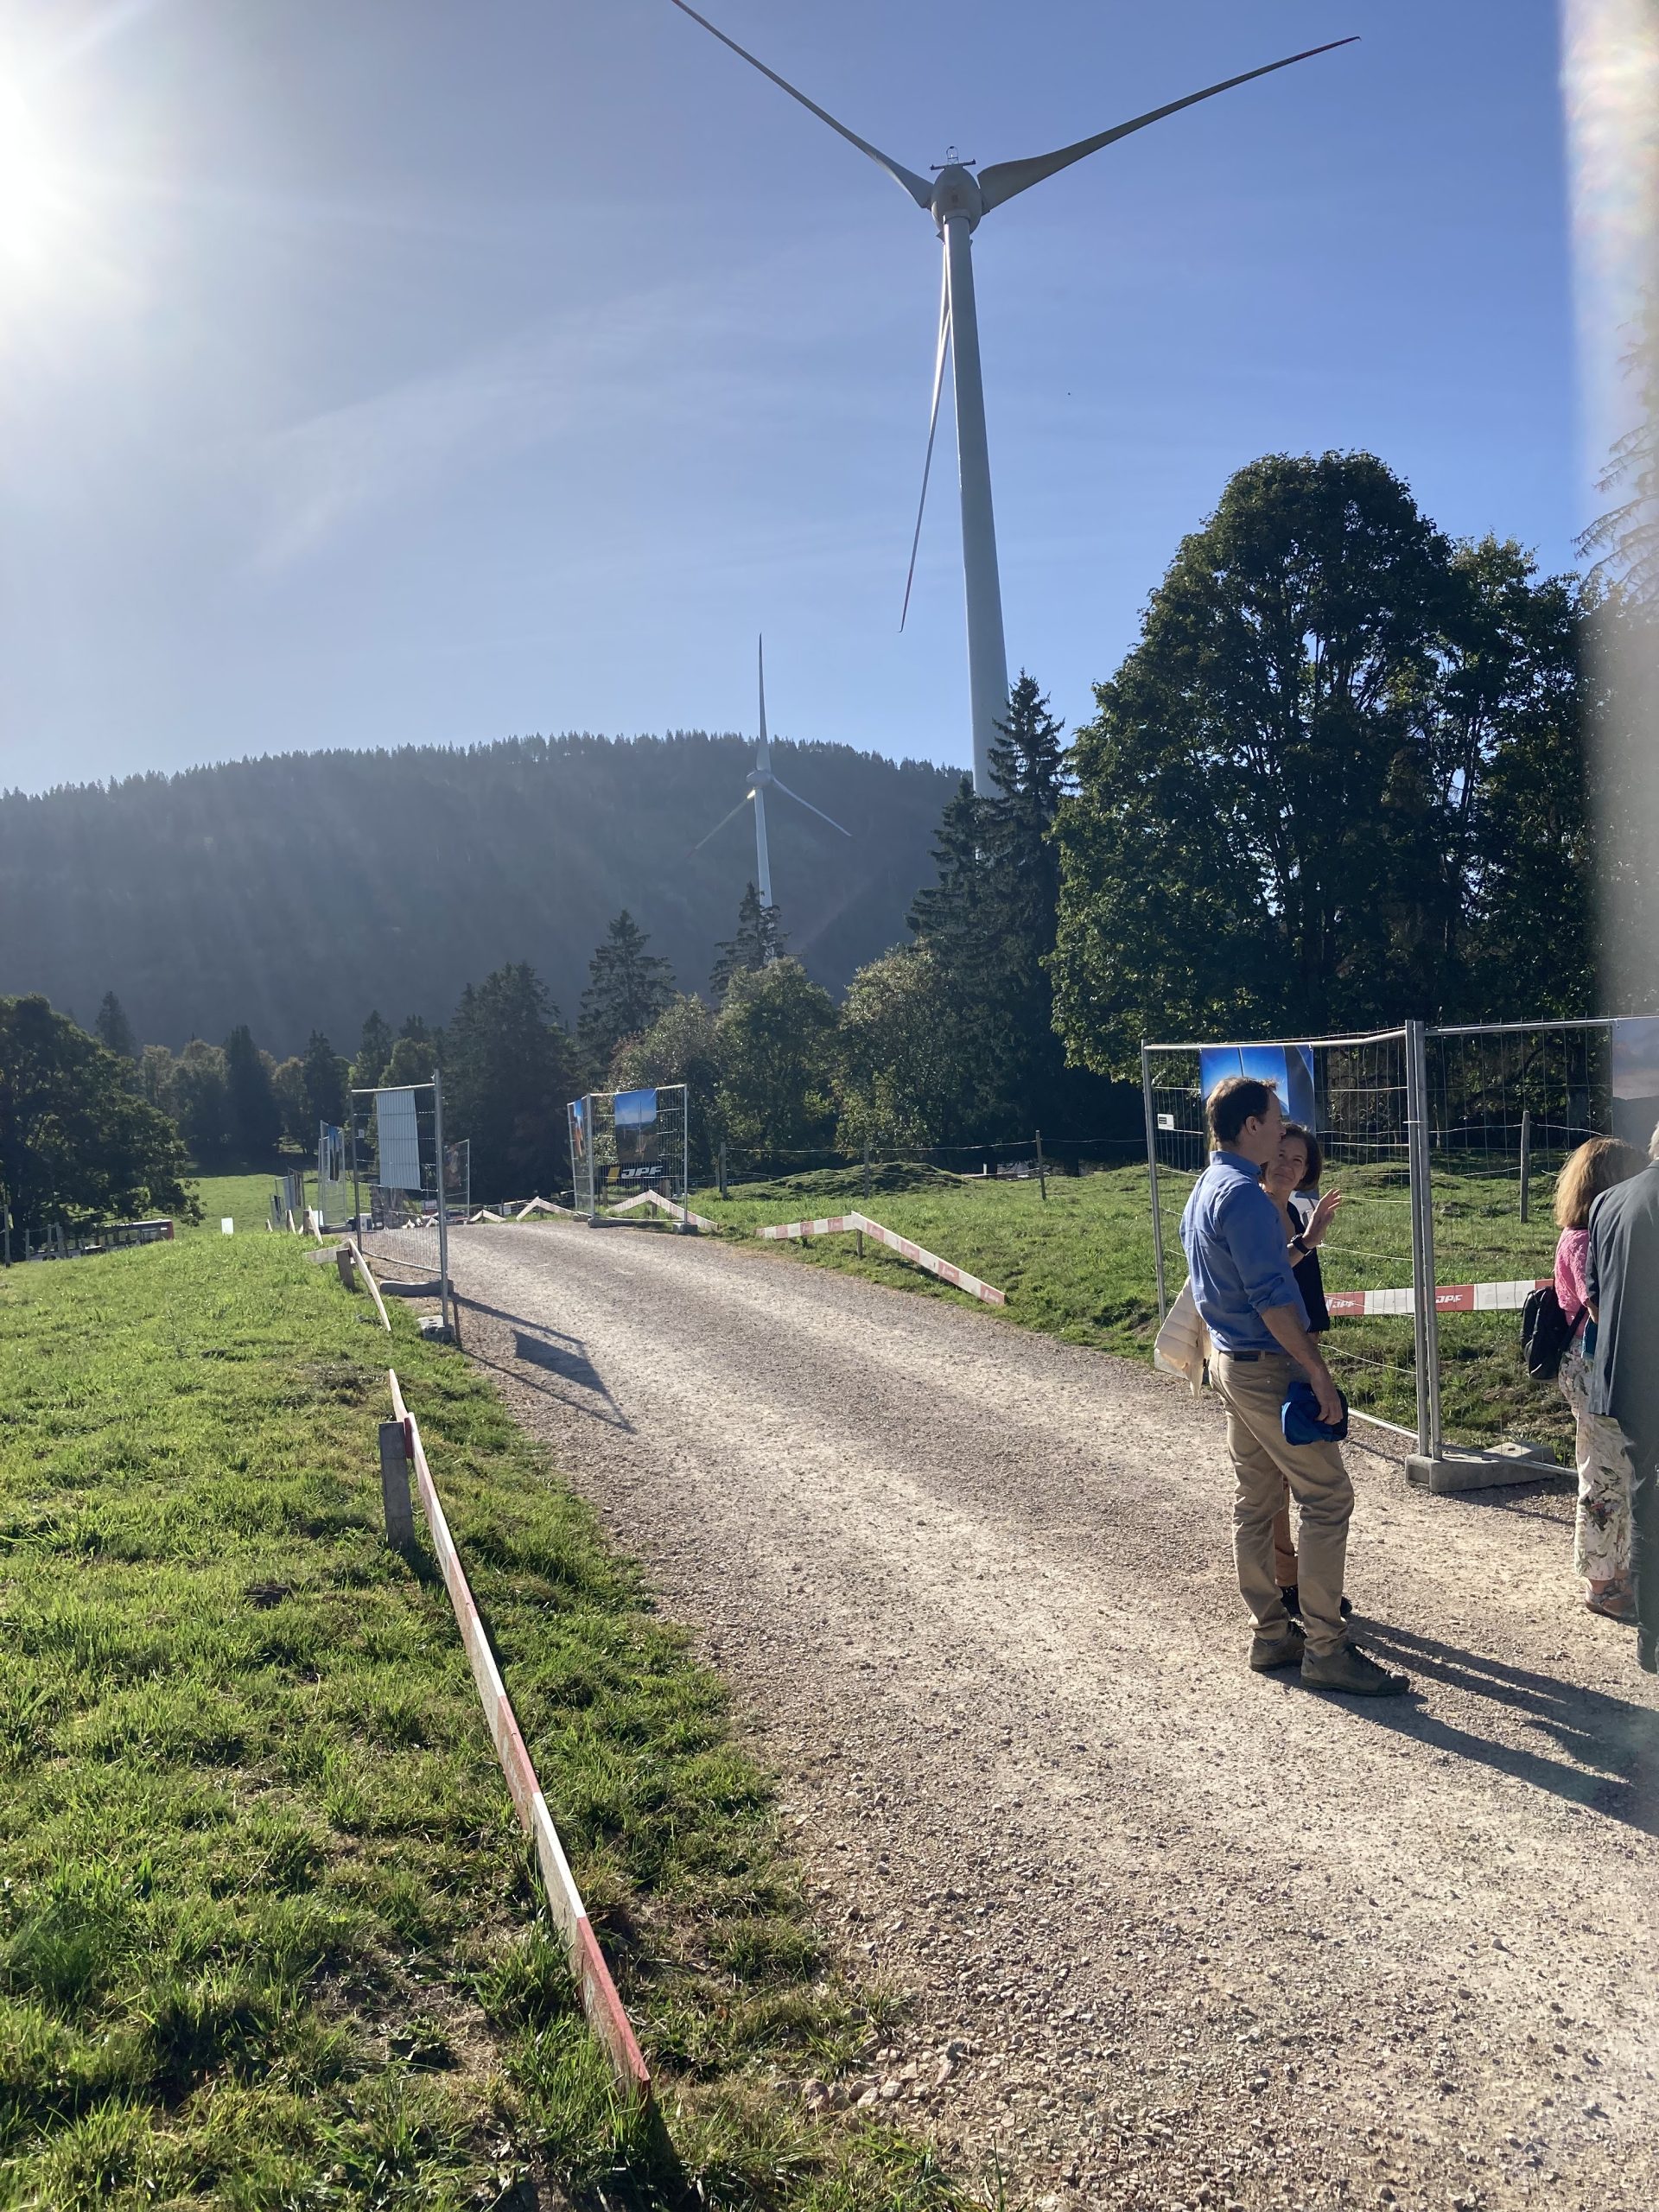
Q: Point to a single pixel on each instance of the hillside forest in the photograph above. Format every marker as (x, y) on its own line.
(1342, 778)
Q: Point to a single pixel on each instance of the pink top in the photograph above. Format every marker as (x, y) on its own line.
(1570, 1256)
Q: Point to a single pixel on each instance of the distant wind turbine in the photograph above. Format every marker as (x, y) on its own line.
(957, 198)
(761, 780)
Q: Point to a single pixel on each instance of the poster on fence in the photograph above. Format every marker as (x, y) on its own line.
(1635, 1079)
(639, 1149)
(1289, 1068)
(398, 1140)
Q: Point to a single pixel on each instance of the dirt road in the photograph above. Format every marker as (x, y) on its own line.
(1176, 1935)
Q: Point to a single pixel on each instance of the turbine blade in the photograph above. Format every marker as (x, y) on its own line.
(917, 187)
(777, 785)
(1003, 179)
(723, 820)
(933, 427)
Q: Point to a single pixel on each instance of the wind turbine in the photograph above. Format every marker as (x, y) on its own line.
(957, 198)
(761, 780)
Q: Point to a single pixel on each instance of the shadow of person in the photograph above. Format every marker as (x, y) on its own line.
(1591, 1749)
(535, 1344)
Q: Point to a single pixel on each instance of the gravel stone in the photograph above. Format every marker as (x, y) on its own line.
(971, 1588)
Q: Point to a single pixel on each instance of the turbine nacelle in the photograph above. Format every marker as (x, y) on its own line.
(956, 192)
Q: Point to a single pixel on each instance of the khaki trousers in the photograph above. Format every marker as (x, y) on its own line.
(1252, 1392)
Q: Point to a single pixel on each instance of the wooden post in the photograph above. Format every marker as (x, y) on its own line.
(347, 1267)
(721, 1178)
(1042, 1173)
(394, 1485)
(1526, 1164)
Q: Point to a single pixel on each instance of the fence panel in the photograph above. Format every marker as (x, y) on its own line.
(1356, 1091)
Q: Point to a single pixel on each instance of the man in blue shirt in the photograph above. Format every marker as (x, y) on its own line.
(1248, 1299)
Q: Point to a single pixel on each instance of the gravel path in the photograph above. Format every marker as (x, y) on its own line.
(1172, 1934)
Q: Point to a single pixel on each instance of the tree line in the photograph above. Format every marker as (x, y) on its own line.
(1342, 776)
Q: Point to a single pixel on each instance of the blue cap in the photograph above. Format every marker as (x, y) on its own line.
(1299, 1416)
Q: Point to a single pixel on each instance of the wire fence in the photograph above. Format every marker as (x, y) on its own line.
(1446, 1144)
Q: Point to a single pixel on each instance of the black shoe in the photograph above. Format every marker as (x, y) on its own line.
(1351, 1673)
(1293, 1604)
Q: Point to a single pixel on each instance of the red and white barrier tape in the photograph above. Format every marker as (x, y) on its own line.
(840, 1222)
(1449, 1298)
(606, 2013)
(663, 1205)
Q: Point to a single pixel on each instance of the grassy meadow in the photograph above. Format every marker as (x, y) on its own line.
(1080, 1265)
(270, 1933)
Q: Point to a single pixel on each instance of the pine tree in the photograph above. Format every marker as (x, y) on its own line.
(114, 1030)
(759, 942)
(256, 1122)
(510, 1071)
(373, 1051)
(627, 989)
(325, 1081)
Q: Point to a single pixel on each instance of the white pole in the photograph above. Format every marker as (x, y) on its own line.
(443, 1201)
(988, 665)
(762, 864)
(762, 859)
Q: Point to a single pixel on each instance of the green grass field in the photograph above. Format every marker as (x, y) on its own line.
(245, 1199)
(1080, 1265)
(268, 1931)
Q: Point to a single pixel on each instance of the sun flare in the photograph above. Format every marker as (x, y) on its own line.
(35, 206)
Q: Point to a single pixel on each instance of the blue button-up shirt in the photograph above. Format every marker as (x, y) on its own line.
(1235, 1246)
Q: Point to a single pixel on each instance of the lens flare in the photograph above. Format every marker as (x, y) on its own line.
(35, 206)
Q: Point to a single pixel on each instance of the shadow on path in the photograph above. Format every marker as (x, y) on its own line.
(1594, 1751)
(557, 1354)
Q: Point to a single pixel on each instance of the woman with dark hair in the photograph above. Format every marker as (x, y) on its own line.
(1601, 1542)
(1291, 1181)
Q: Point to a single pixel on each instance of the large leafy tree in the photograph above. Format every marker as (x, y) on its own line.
(1303, 802)
(288, 1081)
(906, 1070)
(509, 1071)
(201, 1103)
(775, 1039)
(757, 942)
(76, 1143)
(627, 989)
(681, 1045)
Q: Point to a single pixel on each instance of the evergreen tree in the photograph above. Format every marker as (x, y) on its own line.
(412, 1061)
(254, 1121)
(627, 989)
(373, 1051)
(759, 942)
(325, 1075)
(114, 1031)
(511, 1071)
(76, 1143)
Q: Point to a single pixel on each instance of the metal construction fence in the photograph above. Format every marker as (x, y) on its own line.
(1445, 1143)
(623, 1142)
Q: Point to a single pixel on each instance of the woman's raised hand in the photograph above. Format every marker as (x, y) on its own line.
(1321, 1219)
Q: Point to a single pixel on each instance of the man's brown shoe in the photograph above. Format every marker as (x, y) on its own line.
(1351, 1672)
(1267, 1652)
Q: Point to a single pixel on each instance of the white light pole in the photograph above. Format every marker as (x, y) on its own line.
(956, 200)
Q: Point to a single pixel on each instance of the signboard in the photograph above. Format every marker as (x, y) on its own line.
(636, 1171)
(1635, 1079)
(397, 1139)
(579, 1130)
(1289, 1068)
(634, 1118)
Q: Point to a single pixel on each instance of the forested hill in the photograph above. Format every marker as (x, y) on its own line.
(301, 890)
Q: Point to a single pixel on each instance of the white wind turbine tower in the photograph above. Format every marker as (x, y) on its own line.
(957, 198)
(761, 780)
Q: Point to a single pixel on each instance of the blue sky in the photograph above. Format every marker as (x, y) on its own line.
(414, 372)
